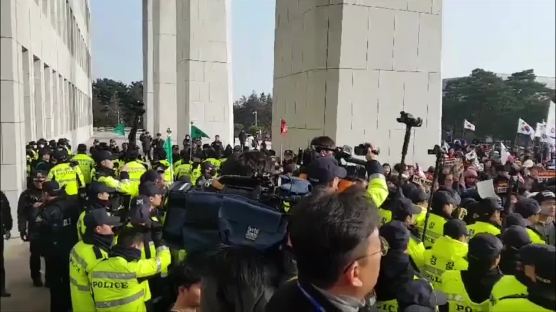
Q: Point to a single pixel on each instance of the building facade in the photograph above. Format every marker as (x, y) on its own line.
(45, 80)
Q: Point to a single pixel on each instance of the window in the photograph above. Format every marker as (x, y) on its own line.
(27, 95)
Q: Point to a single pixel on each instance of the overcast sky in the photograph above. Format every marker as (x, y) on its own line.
(503, 36)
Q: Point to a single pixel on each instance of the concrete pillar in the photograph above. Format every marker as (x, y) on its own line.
(148, 62)
(346, 68)
(12, 113)
(190, 66)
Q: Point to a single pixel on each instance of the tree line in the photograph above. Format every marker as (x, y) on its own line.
(494, 104)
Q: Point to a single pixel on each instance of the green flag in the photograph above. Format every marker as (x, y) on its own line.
(197, 133)
(119, 129)
(168, 149)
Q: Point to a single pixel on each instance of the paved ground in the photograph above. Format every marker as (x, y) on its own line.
(25, 297)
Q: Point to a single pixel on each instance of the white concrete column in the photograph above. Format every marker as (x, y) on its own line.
(191, 67)
(347, 70)
(148, 64)
(38, 96)
(12, 114)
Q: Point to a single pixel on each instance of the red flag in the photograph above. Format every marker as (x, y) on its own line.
(283, 127)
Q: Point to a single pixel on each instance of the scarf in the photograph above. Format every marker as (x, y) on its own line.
(102, 241)
(128, 253)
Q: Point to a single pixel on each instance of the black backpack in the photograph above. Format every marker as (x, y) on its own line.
(201, 222)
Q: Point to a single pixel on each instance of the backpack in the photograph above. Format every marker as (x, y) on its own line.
(201, 222)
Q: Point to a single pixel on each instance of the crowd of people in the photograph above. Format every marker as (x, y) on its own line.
(367, 237)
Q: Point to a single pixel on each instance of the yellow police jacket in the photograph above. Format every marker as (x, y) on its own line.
(535, 237)
(518, 304)
(115, 285)
(215, 162)
(377, 189)
(135, 170)
(507, 286)
(86, 164)
(168, 175)
(81, 228)
(416, 250)
(385, 215)
(183, 170)
(67, 176)
(435, 229)
(122, 186)
(458, 299)
(482, 227)
(420, 218)
(446, 254)
(83, 257)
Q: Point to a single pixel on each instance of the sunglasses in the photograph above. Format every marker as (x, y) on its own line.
(384, 247)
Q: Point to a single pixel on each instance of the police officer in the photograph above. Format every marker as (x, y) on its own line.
(539, 279)
(443, 204)
(396, 268)
(43, 163)
(6, 223)
(59, 217)
(513, 238)
(405, 212)
(530, 210)
(116, 282)
(488, 217)
(164, 166)
(469, 290)
(87, 253)
(28, 209)
(85, 162)
(104, 173)
(98, 198)
(448, 252)
(135, 168)
(66, 173)
(515, 285)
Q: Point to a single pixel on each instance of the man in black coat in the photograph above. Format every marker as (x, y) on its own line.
(337, 271)
(28, 209)
(59, 229)
(6, 223)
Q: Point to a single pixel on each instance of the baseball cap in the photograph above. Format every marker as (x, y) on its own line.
(515, 237)
(515, 219)
(402, 207)
(396, 234)
(488, 206)
(544, 195)
(455, 228)
(484, 246)
(419, 296)
(97, 187)
(150, 189)
(53, 188)
(324, 169)
(140, 211)
(414, 193)
(441, 198)
(96, 217)
(104, 155)
(527, 207)
(60, 154)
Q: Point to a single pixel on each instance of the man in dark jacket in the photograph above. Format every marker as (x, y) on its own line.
(5, 226)
(338, 271)
(59, 228)
(28, 209)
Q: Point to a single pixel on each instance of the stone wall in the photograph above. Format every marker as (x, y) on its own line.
(45, 80)
(346, 68)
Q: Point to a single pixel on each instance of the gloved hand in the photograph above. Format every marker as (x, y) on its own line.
(24, 237)
(124, 175)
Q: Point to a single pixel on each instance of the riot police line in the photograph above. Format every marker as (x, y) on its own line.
(227, 221)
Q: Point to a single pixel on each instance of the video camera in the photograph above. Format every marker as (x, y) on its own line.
(409, 120)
